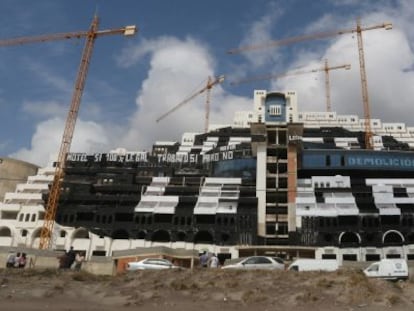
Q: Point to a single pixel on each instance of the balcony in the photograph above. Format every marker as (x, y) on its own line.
(40, 179)
(28, 188)
(15, 197)
(9, 207)
(206, 208)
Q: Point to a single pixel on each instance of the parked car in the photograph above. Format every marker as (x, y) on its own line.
(389, 269)
(309, 264)
(151, 264)
(258, 262)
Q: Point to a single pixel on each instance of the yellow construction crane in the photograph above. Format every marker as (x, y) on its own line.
(326, 68)
(90, 35)
(210, 83)
(323, 35)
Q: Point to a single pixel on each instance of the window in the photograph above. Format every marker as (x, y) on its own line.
(373, 267)
(328, 160)
(275, 110)
(328, 256)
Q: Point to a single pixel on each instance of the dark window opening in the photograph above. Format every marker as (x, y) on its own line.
(328, 256)
(99, 253)
(124, 217)
(372, 257)
(270, 229)
(85, 216)
(181, 236)
(393, 256)
(203, 237)
(163, 218)
(349, 257)
(161, 236)
(205, 219)
(120, 234)
(328, 237)
(328, 160)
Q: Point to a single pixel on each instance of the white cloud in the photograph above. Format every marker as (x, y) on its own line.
(88, 137)
(177, 70)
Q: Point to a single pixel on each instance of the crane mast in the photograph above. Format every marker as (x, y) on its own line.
(54, 194)
(364, 87)
(323, 35)
(90, 35)
(327, 87)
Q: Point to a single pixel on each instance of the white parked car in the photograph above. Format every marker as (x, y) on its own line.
(151, 264)
(310, 264)
(389, 269)
(258, 262)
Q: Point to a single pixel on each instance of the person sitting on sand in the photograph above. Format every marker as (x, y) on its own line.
(79, 259)
(10, 260)
(16, 260)
(22, 261)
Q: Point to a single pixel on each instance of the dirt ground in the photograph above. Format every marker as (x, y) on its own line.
(201, 289)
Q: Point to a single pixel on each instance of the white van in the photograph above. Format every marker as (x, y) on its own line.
(308, 264)
(390, 269)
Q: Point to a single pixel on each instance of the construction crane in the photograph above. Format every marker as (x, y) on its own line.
(323, 35)
(326, 68)
(210, 83)
(90, 35)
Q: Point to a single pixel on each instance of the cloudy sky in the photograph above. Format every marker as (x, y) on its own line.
(133, 81)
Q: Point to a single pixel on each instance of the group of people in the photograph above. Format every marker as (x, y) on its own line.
(209, 260)
(71, 259)
(16, 260)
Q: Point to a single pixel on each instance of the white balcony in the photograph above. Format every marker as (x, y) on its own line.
(151, 190)
(227, 208)
(165, 208)
(157, 204)
(210, 193)
(229, 194)
(160, 181)
(346, 209)
(205, 208)
(30, 188)
(9, 207)
(388, 209)
(222, 181)
(341, 200)
(146, 206)
(15, 197)
(209, 200)
(40, 179)
(305, 209)
(46, 171)
(305, 200)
